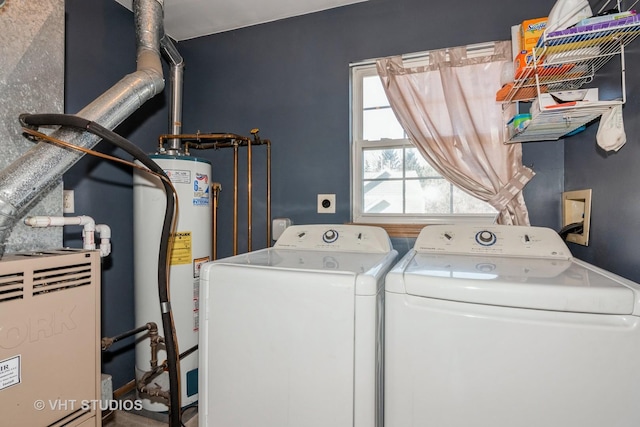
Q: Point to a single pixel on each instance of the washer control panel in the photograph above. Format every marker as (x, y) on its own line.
(504, 240)
(335, 237)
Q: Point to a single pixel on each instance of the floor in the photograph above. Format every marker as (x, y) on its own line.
(128, 419)
(144, 418)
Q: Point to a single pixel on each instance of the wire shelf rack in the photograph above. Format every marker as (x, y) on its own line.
(568, 59)
(565, 61)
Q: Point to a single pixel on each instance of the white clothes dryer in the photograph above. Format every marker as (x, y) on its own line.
(500, 326)
(292, 336)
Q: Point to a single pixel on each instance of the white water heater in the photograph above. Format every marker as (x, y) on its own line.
(190, 248)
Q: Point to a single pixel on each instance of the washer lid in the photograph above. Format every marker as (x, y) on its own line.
(543, 284)
(366, 270)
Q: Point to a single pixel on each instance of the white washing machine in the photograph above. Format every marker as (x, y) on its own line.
(499, 326)
(292, 336)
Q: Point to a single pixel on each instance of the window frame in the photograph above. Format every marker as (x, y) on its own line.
(358, 71)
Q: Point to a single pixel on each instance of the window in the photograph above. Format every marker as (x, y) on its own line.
(391, 181)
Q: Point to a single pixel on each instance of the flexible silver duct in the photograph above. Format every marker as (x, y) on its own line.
(175, 112)
(40, 169)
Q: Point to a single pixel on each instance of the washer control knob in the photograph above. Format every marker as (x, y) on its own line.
(486, 238)
(330, 236)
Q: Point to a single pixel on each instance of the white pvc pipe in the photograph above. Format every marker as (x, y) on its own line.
(88, 231)
(105, 239)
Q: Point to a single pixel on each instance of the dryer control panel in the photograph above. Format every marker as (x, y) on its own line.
(503, 240)
(335, 237)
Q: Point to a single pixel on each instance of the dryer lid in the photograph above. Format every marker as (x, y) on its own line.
(542, 284)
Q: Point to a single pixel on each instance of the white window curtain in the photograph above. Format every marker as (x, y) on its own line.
(449, 112)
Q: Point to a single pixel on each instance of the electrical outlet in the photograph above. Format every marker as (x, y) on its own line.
(68, 205)
(326, 203)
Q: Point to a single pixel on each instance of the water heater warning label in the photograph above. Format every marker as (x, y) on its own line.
(10, 372)
(181, 248)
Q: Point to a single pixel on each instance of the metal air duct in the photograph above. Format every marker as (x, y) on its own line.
(38, 170)
(175, 112)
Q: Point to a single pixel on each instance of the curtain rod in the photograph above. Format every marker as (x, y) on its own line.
(425, 54)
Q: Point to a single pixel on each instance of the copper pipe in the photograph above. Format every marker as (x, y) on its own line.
(268, 193)
(228, 137)
(107, 342)
(154, 339)
(235, 199)
(156, 391)
(227, 140)
(143, 383)
(217, 187)
(249, 196)
(214, 220)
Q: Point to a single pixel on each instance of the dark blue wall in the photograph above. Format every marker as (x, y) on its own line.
(288, 78)
(614, 178)
(291, 79)
(100, 50)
